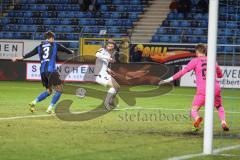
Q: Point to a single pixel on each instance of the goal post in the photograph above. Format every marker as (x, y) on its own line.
(210, 83)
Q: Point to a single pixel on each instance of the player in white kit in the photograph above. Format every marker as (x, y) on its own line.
(104, 75)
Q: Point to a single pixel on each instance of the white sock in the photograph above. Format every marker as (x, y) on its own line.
(112, 90)
(35, 101)
(50, 106)
(110, 95)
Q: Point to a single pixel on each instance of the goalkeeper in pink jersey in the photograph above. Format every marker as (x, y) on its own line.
(199, 65)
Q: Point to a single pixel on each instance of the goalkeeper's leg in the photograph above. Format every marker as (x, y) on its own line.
(198, 101)
(221, 112)
(196, 117)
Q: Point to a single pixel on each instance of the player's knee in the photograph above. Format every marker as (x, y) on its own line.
(58, 88)
(116, 86)
(49, 91)
(220, 108)
(195, 108)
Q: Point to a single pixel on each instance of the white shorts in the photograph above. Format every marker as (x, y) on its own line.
(103, 79)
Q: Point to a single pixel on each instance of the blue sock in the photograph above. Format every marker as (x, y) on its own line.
(55, 98)
(42, 96)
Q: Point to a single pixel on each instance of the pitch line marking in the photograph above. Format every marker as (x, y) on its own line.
(215, 152)
(117, 109)
(160, 108)
(167, 94)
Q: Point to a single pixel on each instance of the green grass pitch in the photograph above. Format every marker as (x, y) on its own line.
(154, 128)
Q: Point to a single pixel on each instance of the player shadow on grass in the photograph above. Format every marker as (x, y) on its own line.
(136, 75)
(129, 97)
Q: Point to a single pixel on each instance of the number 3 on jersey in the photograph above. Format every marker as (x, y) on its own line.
(46, 49)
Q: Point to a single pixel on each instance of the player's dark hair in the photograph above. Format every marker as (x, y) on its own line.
(202, 48)
(49, 34)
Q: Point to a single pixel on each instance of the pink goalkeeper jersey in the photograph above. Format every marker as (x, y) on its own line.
(199, 65)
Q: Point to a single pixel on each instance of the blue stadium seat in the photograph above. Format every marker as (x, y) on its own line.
(198, 31)
(113, 30)
(198, 16)
(87, 30)
(237, 49)
(231, 24)
(164, 38)
(133, 15)
(175, 23)
(38, 36)
(71, 14)
(175, 39)
(204, 24)
(127, 22)
(189, 16)
(103, 8)
(11, 14)
(178, 31)
(59, 29)
(231, 9)
(222, 24)
(28, 14)
(31, 16)
(180, 16)
(171, 16)
(237, 40)
(17, 35)
(155, 39)
(203, 39)
(62, 14)
(83, 22)
(1, 35)
(161, 30)
(220, 49)
(47, 21)
(226, 32)
(4, 20)
(222, 40)
(121, 8)
(188, 31)
(232, 17)
(8, 35)
(228, 49)
(110, 22)
(117, 2)
(136, 2)
(74, 45)
(185, 24)
(193, 39)
(65, 21)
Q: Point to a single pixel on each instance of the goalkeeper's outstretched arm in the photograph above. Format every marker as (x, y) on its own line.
(190, 66)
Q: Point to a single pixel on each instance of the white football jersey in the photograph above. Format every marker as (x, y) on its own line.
(102, 61)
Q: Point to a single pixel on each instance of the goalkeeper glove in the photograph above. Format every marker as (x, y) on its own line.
(165, 81)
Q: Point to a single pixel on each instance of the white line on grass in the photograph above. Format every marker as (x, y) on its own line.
(215, 151)
(167, 94)
(192, 95)
(160, 108)
(116, 109)
(229, 155)
(23, 117)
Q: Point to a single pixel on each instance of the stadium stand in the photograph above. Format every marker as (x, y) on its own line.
(191, 27)
(28, 19)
